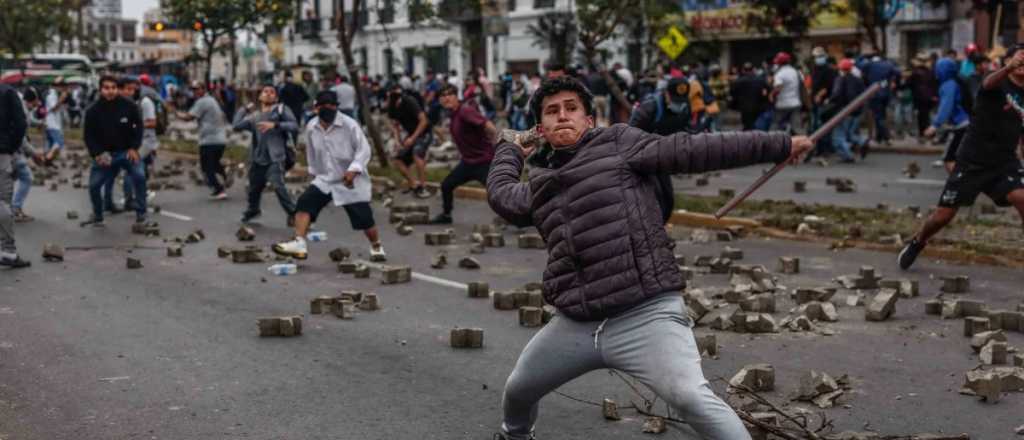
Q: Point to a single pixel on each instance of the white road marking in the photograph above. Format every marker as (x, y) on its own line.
(175, 215)
(926, 182)
(423, 277)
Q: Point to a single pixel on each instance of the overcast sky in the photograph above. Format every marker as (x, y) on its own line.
(135, 8)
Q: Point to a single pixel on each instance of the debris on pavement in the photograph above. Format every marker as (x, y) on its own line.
(469, 263)
(478, 290)
(955, 284)
(654, 425)
(467, 338)
(882, 306)
(245, 233)
(285, 326)
(530, 316)
(339, 254)
(610, 410)
(755, 377)
(175, 250)
(395, 274)
(437, 239)
(820, 389)
(53, 252)
(439, 260)
(133, 263)
(789, 265)
(531, 241)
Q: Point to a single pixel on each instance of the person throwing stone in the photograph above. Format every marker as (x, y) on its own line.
(611, 271)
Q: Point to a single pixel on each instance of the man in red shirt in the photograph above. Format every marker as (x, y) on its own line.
(474, 136)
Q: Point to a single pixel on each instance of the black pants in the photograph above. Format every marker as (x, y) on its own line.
(259, 175)
(209, 162)
(924, 117)
(462, 173)
(749, 118)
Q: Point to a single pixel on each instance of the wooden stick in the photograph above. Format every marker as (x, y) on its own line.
(818, 134)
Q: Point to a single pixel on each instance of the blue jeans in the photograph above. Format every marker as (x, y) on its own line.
(23, 174)
(127, 187)
(878, 107)
(54, 139)
(99, 176)
(846, 135)
(764, 121)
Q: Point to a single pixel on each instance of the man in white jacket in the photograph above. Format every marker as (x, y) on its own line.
(337, 152)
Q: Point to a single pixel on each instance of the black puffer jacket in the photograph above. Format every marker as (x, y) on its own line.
(607, 246)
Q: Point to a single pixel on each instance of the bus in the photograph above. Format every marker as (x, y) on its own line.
(51, 65)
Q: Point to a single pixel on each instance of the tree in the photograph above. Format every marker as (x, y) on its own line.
(214, 20)
(347, 28)
(556, 32)
(26, 25)
(786, 16)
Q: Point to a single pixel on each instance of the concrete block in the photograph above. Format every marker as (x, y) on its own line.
(1006, 320)
(505, 300)
(982, 339)
(469, 263)
(72, 215)
(343, 309)
(654, 425)
(485, 228)
(223, 252)
(726, 192)
(245, 233)
(933, 307)
(974, 325)
(174, 251)
(133, 263)
(286, 327)
(495, 239)
(882, 306)
(819, 311)
(723, 236)
(532, 299)
(467, 338)
(361, 271)
(707, 345)
(756, 377)
(531, 241)
(855, 299)
(819, 294)
(409, 218)
(720, 265)
(478, 290)
(396, 274)
(610, 410)
(697, 304)
(789, 265)
(703, 260)
(1012, 378)
(437, 239)
(246, 255)
(955, 284)
(476, 248)
(800, 186)
(687, 273)
(369, 302)
(1018, 360)
(531, 316)
(403, 208)
(763, 303)
(549, 312)
(269, 327)
(320, 305)
(732, 253)
(53, 252)
(963, 308)
(347, 266)
(339, 254)
(993, 353)
(722, 321)
(907, 288)
(760, 323)
(147, 229)
(404, 229)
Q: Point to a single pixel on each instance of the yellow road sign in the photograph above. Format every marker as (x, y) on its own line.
(673, 43)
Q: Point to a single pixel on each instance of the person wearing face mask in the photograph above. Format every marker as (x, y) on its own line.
(611, 270)
(823, 74)
(407, 116)
(270, 126)
(338, 154)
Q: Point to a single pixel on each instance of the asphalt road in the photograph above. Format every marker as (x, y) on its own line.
(90, 350)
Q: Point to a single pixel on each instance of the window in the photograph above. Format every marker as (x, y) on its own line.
(511, 5)
(437, 58)
(362, 61)
(389, 62)
(386, 14)
(113, 32)
(128, 33)
(410, 60)
(538, 4)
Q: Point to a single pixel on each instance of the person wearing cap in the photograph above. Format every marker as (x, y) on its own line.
(925, 90)
(786, 92)
(56, 103)
(270, 127)
(406, 115)
(846, 88)
(337, 153)
(749, 94)
(987, 160)
(951, 110)
(212, 139)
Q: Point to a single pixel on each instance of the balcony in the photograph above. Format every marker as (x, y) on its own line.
(308, 29)
(459, 10)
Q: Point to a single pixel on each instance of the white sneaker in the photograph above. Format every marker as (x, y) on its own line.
(150, 196)
(296, 248)
(377, 254)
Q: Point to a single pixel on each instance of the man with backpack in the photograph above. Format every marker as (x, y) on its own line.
(954, 104)
(12, 133)
(270, 126)
(406, 114)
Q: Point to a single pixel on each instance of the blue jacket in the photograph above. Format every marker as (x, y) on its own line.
(951, 108)
(877, 71)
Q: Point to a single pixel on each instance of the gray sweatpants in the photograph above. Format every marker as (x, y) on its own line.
(651, 342)
(6, 194)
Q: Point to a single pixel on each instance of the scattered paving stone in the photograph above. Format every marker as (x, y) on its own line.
(249, 254)
(285, 326)
(800, 323)
(437, 239)
(484, 228)
(369, 302)
(732, 253)
(320, 305)
(505, 300)
(933, 307)
(469, 263)
(702, 181)
(343, 308)
(720, 265)
(964, 308)
(353, 296)
(1006, 320)
(789, 265)
(726, 193)
(756, 377)
(467, 338)
(347, 266)
(175, 251)
(610, 410)
(72, 215)
(245, 233)
(224, 252)
(439, 261)
(759, 323)
(819, 388)
(53, 252)
(819, 311)
(404, 229)
(721, 321)
(723, 236)
(855, 299)
(495, 240)
(882, 306)
(549, 313)
(361, 271)
(800, 186)
(531, 241)
(993, 353)
(763, 303)
(820, 294)
(974, 325)
(478, 290)
(1018, 360)
(982, 339)
(395, 274)
(476, 237)
(907, 288)
(701, 236)
(476, 248)
(697, 304)
(531, 316)
(687, 272)
(1012, 378)
(339, 254)
(133, 263)
(984, 384)
(148, 228)
(707, 345)
(955, 284)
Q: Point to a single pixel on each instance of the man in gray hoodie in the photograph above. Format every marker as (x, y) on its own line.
(271, 126)
(611, 272)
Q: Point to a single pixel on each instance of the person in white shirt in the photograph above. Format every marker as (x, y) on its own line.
(786, 92)
(56, 104)
(338, 154)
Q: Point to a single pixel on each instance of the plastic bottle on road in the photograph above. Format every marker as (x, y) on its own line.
(317, 236)
(283, 269)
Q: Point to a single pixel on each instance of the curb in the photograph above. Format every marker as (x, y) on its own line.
(914, 151)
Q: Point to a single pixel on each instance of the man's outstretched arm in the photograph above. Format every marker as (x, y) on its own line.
(508, 196)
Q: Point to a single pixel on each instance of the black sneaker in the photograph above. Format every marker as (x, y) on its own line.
(249, 216)
(502, 436)
(864, 149)
(909, 254)
(441, 219)
(96, 222)
(15, 263)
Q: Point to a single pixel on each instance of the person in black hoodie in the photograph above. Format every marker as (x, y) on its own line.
(12, 132)
(113, 134)
(749, 94)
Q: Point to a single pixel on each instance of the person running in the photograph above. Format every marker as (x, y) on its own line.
(845, 89)
(951, 110)
(474, 136)
(270, 126)
(56, 104)
(611, 272)
(113, 136)
(786, 92)
(986, 161)
(212, 139)
(338, 154)
(12, 134)
(407, 115)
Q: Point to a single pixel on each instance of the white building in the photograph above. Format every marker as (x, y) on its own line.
(459, 44)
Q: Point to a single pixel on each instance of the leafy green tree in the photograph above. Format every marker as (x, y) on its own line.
(26, 25)
(556, 32)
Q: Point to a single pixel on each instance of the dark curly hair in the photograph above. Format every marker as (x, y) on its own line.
(552, 87)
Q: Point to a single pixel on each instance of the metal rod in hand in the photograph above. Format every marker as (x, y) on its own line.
(815, 137)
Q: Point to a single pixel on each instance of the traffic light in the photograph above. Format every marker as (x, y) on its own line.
(157, 26)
